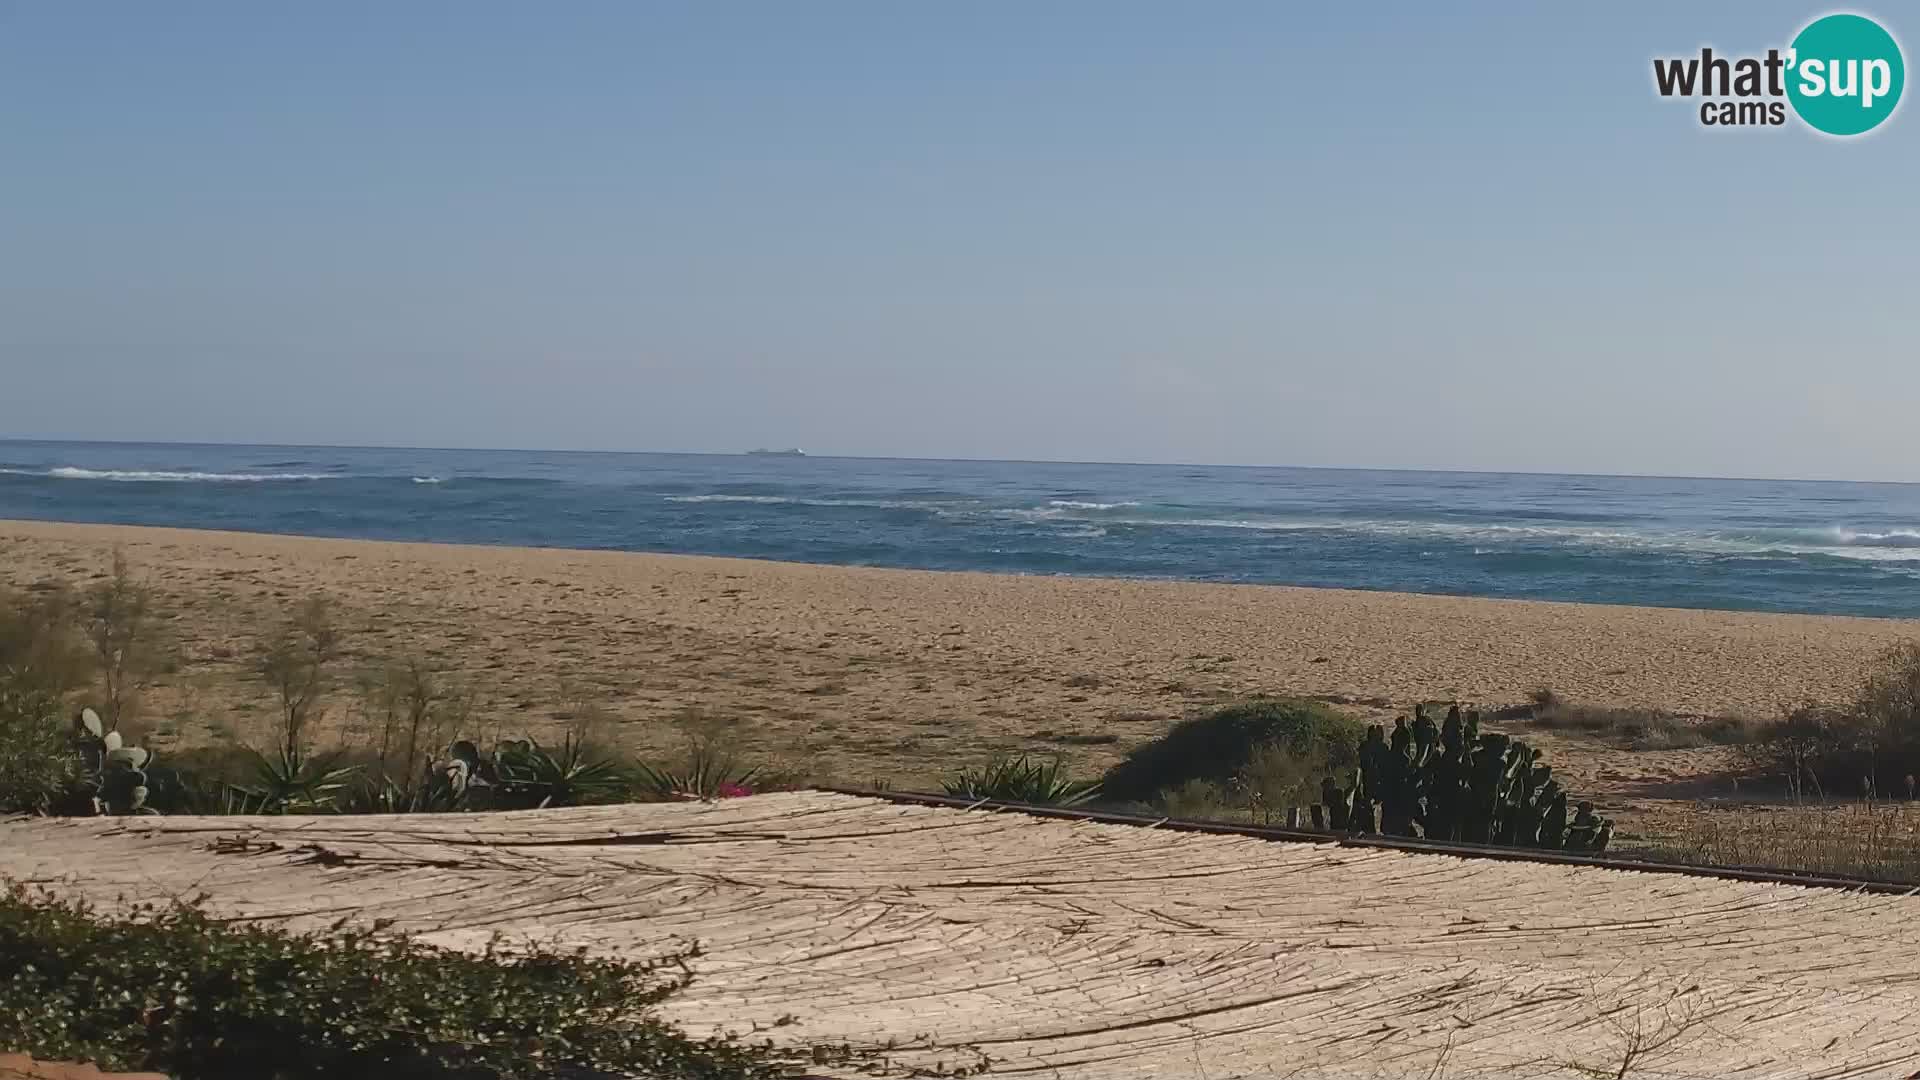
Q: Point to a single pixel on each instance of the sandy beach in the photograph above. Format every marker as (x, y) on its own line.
(858, 673)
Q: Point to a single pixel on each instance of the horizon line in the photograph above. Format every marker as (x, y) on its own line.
(1440, 470)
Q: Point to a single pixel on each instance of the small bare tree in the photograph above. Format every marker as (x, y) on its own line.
(118, 621)
(298, 665)
(417, 711)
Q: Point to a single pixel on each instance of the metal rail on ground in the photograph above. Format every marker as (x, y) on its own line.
(1394, 843)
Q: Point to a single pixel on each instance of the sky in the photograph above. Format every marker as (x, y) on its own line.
(1375, 235)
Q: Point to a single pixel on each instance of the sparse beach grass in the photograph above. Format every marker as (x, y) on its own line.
(1631, 728)
(1880, 841)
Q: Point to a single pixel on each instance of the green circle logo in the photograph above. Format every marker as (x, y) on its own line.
(1846, 74)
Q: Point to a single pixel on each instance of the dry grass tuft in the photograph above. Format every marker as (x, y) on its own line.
(1880, 841)
(1635, 729)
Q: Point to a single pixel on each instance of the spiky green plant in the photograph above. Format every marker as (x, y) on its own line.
(709, 770)
(292, 781)
(517, 774)
(529, 775)
(1019, 778)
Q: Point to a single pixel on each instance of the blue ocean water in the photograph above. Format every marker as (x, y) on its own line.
(1848, 548)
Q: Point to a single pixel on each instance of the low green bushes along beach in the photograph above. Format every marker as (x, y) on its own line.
(168, 987)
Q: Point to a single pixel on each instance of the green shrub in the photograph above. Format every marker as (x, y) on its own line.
(1018, 778)
(1870, 745)
(1282, 742)
(175, 990)
(1204, 800)
(38, 766)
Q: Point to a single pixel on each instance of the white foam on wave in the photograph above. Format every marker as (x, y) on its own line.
(428, 479)
(1894, 538)
(1858, 554)
(1887, 546)
(1261, 524)
(1091, 518)
(788, 500)
(70, 472)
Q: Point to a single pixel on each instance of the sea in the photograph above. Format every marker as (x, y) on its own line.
(1746, 545)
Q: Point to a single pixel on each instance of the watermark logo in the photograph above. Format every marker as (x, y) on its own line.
(1842, 75)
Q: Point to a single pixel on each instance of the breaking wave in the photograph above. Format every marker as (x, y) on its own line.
(69, 472)
(791, 500)
(1080, 517)
(1891, 545)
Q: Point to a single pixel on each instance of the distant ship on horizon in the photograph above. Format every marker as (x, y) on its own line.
(791, 451)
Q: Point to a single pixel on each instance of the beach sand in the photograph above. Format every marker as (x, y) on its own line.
(858, 673)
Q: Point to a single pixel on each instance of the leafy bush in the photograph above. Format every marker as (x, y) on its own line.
(1205, 800)
(48, 766)
(1018, 778)
(1887, 712)
(1869, 745)
(1272, 741)
(38, 767)
(175, 990)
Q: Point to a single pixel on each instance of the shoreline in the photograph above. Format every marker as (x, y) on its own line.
(865, 671)
(9, 524)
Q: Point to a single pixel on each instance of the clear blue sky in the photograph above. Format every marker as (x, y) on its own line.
(1378, 235)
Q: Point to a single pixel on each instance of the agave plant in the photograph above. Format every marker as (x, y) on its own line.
(1018, 778)
(384, 795)
(518, 774)
(527, 774)
(710, 771)
(293, 781)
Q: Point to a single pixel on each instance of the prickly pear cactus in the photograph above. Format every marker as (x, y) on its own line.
(115, 774)
(1448, 781)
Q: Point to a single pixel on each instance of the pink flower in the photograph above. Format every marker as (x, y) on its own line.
(734, 791)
